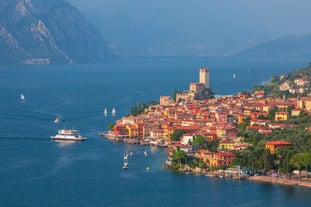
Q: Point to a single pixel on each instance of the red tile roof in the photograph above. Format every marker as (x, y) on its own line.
(278, 142)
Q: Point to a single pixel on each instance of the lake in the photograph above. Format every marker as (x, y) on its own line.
(37, 171)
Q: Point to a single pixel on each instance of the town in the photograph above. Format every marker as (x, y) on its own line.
(235, 134)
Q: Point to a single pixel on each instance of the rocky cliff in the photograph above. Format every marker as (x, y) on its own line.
(47, 31)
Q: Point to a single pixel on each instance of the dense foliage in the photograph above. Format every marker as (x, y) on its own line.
(177, 134)
(140, 108)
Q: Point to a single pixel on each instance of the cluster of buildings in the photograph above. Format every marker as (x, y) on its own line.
(213, 119)
(298, 86)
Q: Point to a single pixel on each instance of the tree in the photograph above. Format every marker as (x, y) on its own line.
(296, 161)
(110, 127)
(174, 94)
(271, 114)
(267, 160)
(301, 160)
(179, 156)
(177, 134)
(198, 140)
(212, 146)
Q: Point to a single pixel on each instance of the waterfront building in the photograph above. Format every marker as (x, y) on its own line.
(204, 155)
(221, 158)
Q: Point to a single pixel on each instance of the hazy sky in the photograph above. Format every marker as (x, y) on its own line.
(194, 27)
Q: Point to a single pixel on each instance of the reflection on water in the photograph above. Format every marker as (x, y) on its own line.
(65, 143)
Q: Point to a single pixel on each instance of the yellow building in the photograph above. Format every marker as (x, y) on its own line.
(272, 146)
(226, 145)
(281, 116)
(132, 130)
(304, 103)
(221, 132)
(296, 112)
(240, 118)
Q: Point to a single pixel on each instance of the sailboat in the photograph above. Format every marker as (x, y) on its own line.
(233, 75)
(22, 98)
(113, 112)
(145, 153)
(105, 112)
(57, 120)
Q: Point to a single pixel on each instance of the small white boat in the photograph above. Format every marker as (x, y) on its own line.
(22, 98)
(113, 112)
(145, 153)
(233, 75)
(57, 120)
(68, 134)
(126, 155)
(125, 164)
(105, 112)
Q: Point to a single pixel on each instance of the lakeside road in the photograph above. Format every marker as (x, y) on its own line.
(283, 181)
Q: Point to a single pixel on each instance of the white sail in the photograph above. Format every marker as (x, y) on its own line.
(57, 120)
(22, 97)
(105, 112)
(113, 111)
(233, 75)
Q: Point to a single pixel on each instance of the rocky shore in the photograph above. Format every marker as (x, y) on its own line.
(277, 180)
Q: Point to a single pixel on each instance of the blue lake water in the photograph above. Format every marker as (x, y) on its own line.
(36, 171)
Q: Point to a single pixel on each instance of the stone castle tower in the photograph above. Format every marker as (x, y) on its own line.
(204, 77)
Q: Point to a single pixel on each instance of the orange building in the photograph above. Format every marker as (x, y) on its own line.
(222, 158)
(273, 145)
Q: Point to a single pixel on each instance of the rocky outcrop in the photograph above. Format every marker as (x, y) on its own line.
(48, 31)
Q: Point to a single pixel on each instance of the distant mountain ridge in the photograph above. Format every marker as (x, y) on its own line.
(288, 47)
(48, 31)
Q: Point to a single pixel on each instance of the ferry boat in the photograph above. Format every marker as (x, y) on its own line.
(68, 134)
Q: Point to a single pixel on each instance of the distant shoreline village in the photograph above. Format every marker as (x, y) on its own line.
(204, 133)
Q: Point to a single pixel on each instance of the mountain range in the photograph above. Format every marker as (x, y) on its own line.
(48, 32)
(293, 46)
(54, 31)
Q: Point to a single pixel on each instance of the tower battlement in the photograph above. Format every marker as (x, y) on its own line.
(204, 77)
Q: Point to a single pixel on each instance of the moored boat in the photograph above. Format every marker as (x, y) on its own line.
(125, 164)
(68, 134)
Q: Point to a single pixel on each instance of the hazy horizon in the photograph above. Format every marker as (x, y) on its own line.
(198, 27)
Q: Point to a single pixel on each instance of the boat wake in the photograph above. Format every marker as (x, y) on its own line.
(44, 139)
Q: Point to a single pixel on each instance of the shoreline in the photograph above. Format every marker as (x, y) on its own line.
(282, 181)
(262, 179)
